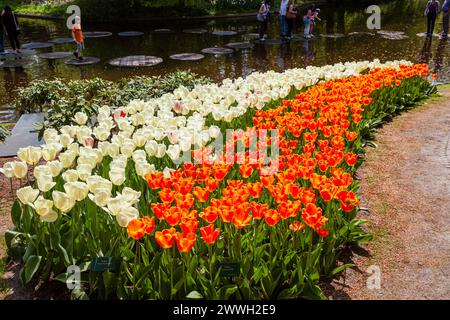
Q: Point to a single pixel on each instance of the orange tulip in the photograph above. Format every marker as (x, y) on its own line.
(241, 218)
(189, 225)
(166, 238)
(159, 209)
(149, 224)
(185, 242)
(258, 210)
(173, 215)
(246, 170)
(297, 226)
(211, 184)
(166, 195)
(210, 214)
(351, 158)
(136, 229)
(184, 201)
(255, 189)
(272, 217)
(201, 194)
(210, 234)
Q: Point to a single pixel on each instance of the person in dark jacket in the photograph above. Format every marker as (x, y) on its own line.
(431, 11)
(12, 28)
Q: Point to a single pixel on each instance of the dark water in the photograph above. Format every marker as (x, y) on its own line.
(405, 16)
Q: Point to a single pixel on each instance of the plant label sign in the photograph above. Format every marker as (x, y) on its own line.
(229, 269)
(101, 264)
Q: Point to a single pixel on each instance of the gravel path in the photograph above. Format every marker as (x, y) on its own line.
(405, 183)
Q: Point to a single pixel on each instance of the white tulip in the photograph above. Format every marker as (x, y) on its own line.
(101, 197)
(151, 148)
(97, 182)
(70, 175)
(80, 118)
(130, 196)
(76, 190)
(45, 183)
(117, 176)
(161, 151)
(126, 214)
(62, 201)
(51, 136)
(84, 171)
(55, 168)
(30, 155)
(27, 195)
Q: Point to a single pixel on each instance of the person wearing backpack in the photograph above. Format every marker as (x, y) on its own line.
(263, 18)
(431, 12)
(12, 28)
(291, 15)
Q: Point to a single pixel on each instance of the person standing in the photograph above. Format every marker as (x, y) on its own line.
(445, 17)
(307, 20)
(263, 18)
(431, 12)
(291, 15)
(78, 37)
(283, 20)
(12, 28)
(315, 18)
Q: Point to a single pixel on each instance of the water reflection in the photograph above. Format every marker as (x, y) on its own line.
(349, 19)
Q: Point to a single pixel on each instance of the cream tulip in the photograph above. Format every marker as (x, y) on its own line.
(125, 215)
(43, 206)
(62, 201)
(7, 170)
(20, 169)
(130, 196)
(45, 183)
(76, 190)
(101, 197)
(27, 195)
(80, 118)
(117, 176)
(30, 155)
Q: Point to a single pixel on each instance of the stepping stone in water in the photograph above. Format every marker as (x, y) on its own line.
(424, 34)
(240, 45)
(10, 54)
(268, 41)
(97, 34)
(84, 62)
(195, 31)
(162, 31)
(217, 51)
(37, 45)
(333, 35)
(224, 33)
(187, 56)
(61, 40)
(130, 34)
(252, 35)
(55, 55)
(392, 35)
(361, 34)
(136, 61)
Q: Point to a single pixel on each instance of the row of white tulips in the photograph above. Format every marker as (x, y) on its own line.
(138, 131)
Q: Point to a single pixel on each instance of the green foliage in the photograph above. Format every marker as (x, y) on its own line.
(4, 132)
(62, 99)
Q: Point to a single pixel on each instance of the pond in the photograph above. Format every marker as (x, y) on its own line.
(341, 36)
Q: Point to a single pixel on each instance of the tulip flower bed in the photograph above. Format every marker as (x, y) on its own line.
(225, 225)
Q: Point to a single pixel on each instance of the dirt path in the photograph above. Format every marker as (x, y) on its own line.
(405, 184)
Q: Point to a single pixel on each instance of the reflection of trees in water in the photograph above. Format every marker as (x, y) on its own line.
(13, 78)
(439, 57)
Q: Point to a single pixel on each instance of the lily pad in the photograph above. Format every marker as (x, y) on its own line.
(187, 56)
(84, 62)
(130, 34)
(97, 34)
(37, 45)
(217, 51)
(136, 61)
(55, 55)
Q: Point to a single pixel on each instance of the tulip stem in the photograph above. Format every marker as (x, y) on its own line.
(12, 190)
